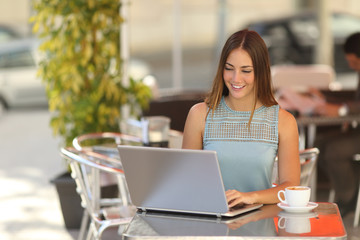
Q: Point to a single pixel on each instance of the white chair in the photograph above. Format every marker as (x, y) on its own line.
(101, 213)
(301, 77)
(96, 146)
(308, 159)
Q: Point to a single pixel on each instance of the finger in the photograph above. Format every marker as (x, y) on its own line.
(234, 203)
(230, 199)
(229, 191)
(231, 194)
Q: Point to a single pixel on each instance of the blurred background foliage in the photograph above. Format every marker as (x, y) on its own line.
(81, 66)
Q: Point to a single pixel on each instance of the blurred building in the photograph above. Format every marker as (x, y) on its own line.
(152, 22)
(15, 14)
(198, 28)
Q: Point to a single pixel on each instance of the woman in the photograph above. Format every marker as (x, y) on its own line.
(241, 120)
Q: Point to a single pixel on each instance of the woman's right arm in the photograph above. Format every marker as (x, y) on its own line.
(194, 127)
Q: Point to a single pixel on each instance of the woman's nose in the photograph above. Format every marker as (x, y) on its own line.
(237, 76)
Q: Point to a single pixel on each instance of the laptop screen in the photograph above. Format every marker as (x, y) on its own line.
(180, 180)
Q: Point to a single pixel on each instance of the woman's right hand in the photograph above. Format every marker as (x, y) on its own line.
(235, 198)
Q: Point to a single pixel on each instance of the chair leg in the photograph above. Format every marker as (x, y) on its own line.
(357, 209)
(84, 225)
(91, 232)
(89, 235)
(332, 195)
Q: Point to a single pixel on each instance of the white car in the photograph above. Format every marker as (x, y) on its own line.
(19, 86)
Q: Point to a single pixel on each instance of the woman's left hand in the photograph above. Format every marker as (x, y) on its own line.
(235, 198)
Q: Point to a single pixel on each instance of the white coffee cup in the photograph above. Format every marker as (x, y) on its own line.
(295, 224)
(295, 196)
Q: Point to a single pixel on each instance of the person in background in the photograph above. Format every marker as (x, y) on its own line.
(337, 148)
(241, 120)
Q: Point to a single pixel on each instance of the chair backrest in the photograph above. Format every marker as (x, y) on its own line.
(85, 170)
(176, 106)
(308, 158)
(301, 77)
(98, 145)
(118, 138)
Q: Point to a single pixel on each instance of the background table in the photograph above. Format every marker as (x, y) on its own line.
(307, 139)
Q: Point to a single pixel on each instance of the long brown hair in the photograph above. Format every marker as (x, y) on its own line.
(254, 45)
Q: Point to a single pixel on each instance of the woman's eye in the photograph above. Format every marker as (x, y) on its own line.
(246, 71)
(228, 69)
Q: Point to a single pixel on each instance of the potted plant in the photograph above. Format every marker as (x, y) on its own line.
(81, 68)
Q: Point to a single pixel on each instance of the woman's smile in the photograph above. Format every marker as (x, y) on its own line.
(237, 87)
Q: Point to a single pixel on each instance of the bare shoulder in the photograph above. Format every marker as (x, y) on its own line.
(198, 110)
(285, 116)
(196, 117)
(194, 127)
(286, 120)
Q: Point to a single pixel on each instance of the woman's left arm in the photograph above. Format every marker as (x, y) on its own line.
(288, 152)
(288, 165)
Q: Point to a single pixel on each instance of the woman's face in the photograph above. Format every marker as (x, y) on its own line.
(239, 75)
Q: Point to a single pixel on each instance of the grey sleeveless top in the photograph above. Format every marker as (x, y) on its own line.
(246, 157)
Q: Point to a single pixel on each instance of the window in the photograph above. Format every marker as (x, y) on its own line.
(17, 59)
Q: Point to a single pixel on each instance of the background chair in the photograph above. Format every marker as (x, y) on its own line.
(301, 77)
(308, 159)
(102, 214)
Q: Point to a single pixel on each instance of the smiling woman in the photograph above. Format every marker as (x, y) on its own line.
(242, 122)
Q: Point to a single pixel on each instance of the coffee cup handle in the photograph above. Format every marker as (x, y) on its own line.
(281, 226)
(279, 196)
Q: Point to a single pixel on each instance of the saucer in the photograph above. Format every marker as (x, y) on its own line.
(292, 215)
(308, 208)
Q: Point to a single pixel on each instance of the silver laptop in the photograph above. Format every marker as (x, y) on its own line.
(176, 180)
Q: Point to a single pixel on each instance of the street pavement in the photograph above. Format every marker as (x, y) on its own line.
(29, 159)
